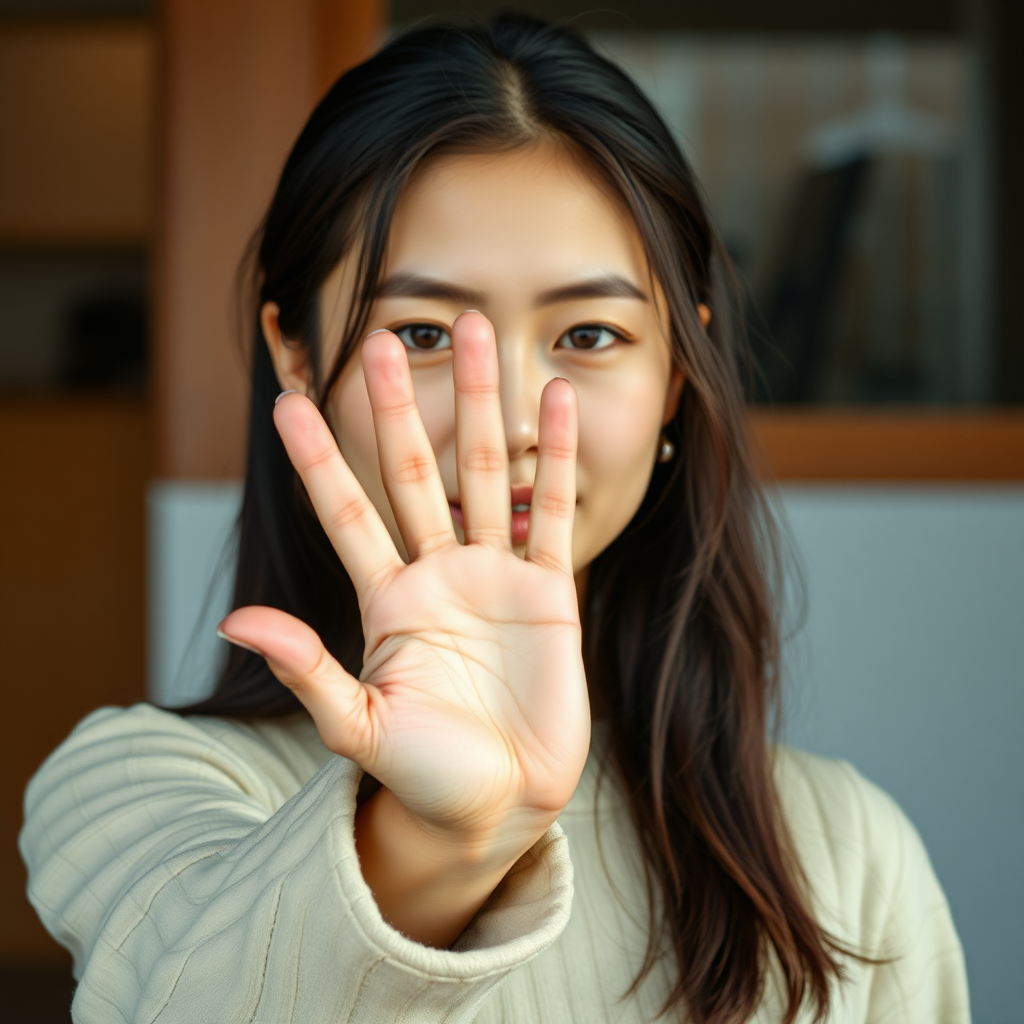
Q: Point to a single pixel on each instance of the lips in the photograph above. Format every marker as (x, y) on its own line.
(522, 496)
(520, 501)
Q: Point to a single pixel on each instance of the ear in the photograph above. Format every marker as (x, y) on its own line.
(675, 389)
(291, 364)
(704, 312)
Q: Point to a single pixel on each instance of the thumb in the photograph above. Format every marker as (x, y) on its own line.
(340, 705)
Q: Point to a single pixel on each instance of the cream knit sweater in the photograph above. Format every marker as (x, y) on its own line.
(204, 870)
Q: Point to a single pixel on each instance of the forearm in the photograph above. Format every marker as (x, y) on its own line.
(192, 898)
(426, 887)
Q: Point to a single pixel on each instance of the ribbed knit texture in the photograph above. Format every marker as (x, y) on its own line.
(204, 870)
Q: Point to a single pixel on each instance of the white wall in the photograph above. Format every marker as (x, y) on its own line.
(190, 568)
(910, 664)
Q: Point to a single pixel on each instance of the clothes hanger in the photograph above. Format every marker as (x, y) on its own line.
(887, 123)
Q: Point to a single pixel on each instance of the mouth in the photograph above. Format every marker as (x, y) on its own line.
(520, 505)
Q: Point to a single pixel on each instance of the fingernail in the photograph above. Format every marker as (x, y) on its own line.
(290, 391)
(471, 311)
(380, 330)
(240, 643)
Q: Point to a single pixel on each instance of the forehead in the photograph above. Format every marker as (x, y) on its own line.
(529, 218)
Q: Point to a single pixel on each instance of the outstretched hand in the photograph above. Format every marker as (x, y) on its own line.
(471, 708)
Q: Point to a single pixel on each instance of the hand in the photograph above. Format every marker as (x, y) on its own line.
(472, 705)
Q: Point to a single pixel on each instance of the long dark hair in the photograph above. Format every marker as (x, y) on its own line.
(680, 639)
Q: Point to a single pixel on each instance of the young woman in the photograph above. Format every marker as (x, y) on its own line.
(504, 492)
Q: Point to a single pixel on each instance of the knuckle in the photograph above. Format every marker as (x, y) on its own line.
(348, 512)
(484, 458)
(432, 541)
(546, 560)
(481, 387)
(323, 668)
(413, 469)
(319, 458)
(489, 536)
(560, 452)
(553, 505)
(400, 409)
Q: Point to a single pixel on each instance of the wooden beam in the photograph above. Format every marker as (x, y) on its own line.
(240, 77)
(872, 446)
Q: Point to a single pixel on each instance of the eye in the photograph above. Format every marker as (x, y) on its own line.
(424, 337)
(588, 337)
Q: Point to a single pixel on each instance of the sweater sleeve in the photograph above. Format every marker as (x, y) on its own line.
(190, 886)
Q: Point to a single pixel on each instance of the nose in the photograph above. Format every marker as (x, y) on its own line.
(521, 381)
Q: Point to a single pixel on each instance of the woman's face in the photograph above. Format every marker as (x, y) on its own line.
(556, 264)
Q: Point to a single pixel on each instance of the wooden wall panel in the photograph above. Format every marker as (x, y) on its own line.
(76, 118)
(239, 79)
(72, 600)
(346, 33)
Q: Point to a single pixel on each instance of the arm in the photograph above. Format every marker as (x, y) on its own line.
(188, 887)
(425, 885)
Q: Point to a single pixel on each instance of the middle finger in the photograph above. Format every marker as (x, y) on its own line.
(482, 451)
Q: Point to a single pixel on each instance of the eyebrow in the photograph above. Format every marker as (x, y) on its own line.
(609, 286)
(415, 286)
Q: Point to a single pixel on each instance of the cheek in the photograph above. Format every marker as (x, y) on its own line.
(435, 399)
(620, 420)
(352, 423)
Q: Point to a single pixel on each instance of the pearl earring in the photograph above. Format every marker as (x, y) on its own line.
(666, 450)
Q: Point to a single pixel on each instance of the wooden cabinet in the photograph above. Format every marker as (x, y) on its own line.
(76, 116)
(72, 600)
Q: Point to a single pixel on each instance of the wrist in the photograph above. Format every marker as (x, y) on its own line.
(428, 883)
(457, 853)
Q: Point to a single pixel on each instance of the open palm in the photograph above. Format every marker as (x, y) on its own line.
(472, 705)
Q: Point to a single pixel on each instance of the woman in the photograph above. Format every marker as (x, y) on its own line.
(469, 486)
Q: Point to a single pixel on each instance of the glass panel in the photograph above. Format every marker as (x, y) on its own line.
(847, 176)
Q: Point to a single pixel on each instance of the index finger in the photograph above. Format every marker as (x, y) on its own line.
(349, 519)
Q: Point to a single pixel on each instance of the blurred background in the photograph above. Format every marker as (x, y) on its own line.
(863, 160)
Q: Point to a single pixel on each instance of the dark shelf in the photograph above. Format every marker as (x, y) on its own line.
(790, 16)
(40, 994)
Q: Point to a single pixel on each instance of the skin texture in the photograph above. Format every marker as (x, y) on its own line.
(472, 708)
